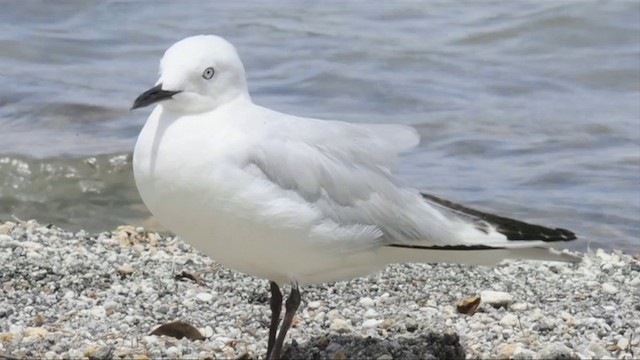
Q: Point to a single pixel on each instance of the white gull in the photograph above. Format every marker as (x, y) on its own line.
(297, 200)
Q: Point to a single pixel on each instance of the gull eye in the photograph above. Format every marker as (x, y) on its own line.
(208, 73)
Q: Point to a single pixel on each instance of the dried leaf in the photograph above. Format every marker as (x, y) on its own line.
(322, 343)
(39, 320)
(468, 305)
(178, 330)
(612, 347)
(339, 355)
(388, 323)
(189, 276)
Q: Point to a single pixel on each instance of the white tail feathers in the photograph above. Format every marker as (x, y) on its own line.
(395, 255)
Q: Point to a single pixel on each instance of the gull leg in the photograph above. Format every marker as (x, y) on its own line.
(291, 306)
(276, 307)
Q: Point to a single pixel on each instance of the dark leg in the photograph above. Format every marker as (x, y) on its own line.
(291, 306)
(276, 307)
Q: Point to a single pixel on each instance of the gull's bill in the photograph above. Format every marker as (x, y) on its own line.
(152, 96)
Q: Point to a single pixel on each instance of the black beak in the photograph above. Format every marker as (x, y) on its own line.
(152, 96)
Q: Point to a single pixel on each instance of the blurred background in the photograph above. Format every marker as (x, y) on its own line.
(530, 109)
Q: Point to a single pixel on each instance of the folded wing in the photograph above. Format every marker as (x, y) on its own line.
(342, 171)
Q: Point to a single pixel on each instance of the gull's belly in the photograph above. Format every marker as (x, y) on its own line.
(251, 244)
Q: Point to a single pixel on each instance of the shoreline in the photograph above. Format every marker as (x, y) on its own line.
(97, 296)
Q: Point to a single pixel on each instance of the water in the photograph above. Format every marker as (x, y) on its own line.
(531, 109)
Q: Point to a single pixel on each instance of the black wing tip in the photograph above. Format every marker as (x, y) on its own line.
(520, 231)
(565, 234)
(446, 247)
(514, 230)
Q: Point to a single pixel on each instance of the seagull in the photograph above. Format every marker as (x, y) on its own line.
(297, 200)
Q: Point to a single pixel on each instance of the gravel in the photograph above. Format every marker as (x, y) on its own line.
(78, 295)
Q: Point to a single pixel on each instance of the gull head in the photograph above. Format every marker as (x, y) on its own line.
(197, 74)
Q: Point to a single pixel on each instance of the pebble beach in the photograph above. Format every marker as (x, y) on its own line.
(75, 295)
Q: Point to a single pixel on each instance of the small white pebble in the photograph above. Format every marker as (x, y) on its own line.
(173, 352)
(371, 323)
(207, 331)
(367, 302)
(5, 239)
(75, 354)
(609, 288)
(332, 314)
(204, 297)
(33, 255)
(125, 269)
(99, 312)
(509, 320)
(370, 314)
(31, 245)
(149, 340)
(314, 304)
(110, 305)
(340, 326)
(319, 317)
(496, 298)
(623, 343)
(42, 230)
